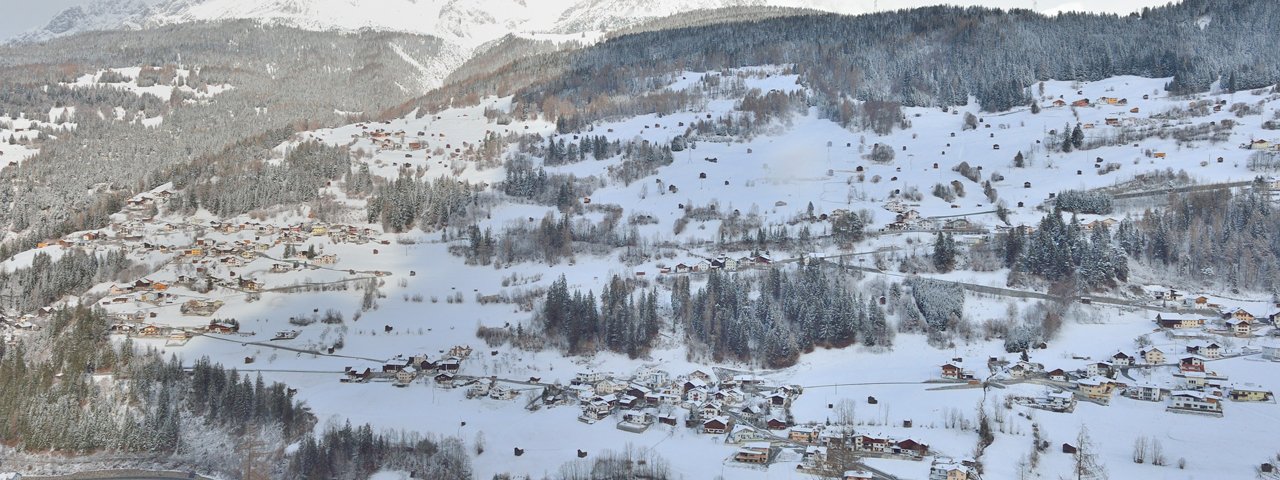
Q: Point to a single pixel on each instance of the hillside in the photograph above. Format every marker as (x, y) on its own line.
(742, 243)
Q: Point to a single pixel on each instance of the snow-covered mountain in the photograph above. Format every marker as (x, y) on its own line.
(94, 15)
(467, 23)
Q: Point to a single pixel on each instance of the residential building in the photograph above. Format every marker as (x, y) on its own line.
(1194, 401)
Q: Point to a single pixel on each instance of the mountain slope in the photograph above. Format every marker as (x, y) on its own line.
(462, 22)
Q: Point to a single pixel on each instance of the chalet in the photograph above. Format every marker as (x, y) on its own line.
(697, 395)
(803, 434)
(717, 425)
(1259, 145)
(1160, 155)
(1113, 122)
(223, 326)
(1239, 328)
(151, 331)
(732, 396)
(952, 371)
(1059, 103)
(1211, 351)
(1248, 392)
(754, 452)
(1121, 359)
(1060, 401)
(1240, 314)
(1099, 369)
(1178, 322)
(910, 448)
(630, 401)
(730, 264)
(1150, 393)
(859, 474)
(682, 268)
(444, 379)
(450, 364)
(743, 434)
(711, 409)
(1202, 380)
(250, 285)
(775, 424)
(1083, 102)
(636, 421)
(948, 471)
(1018, 371)
(1194, 401)
(866, 443)
(1058, 375)
(1153, 356)
(1191, 364)
(595, 410)
(831, 436)
(1095, 388)
(406, 374)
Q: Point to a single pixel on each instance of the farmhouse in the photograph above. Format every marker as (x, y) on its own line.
(717, 425)
(1058, 375)
(1121, 359)
(1239, 328)
(955, 372)
(1178, 322)
(1153, 356)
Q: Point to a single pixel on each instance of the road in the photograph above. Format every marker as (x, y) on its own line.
(1183, 189)
(282, 347)
(1029, 294)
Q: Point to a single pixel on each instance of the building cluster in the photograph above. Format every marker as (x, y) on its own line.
(403, 370)
(724, 262)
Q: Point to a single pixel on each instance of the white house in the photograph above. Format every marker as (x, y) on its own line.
(1194, 401)
(1150, 393)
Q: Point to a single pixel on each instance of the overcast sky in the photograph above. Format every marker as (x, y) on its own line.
(17, 16)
